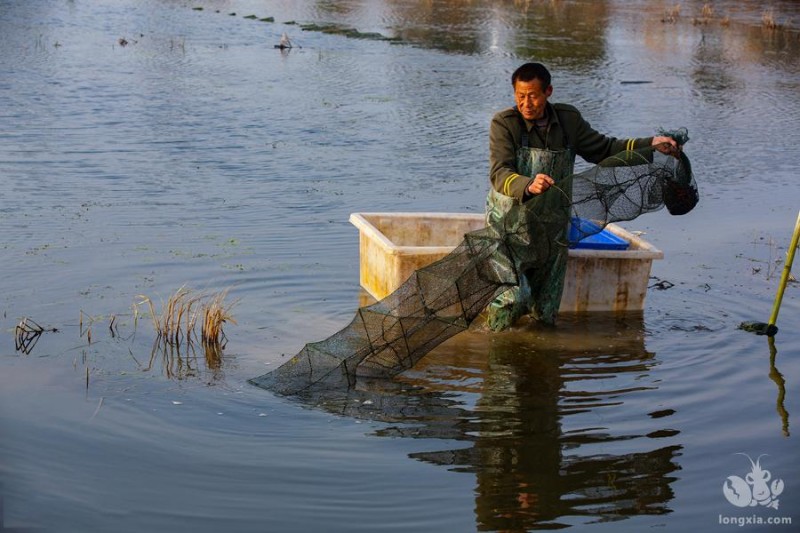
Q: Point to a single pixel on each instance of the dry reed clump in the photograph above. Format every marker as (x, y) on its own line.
(768, 20)
(180, 314)
(706, 15)
(671, 14)
(216, 313)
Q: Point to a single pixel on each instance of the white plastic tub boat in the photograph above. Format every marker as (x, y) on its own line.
(393, 245)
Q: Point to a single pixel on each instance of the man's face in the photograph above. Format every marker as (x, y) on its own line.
(531, 98)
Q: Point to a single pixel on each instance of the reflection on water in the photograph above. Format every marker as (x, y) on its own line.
(189, 360)
(546, 30)
(777, 377)
(560, 33)
(549, 421)
(576, 33)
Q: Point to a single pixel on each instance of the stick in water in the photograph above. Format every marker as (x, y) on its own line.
(770, 328)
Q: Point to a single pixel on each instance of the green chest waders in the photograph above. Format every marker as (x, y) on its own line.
(539, 290)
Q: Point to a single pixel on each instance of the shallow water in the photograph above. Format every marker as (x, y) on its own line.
(198, 155)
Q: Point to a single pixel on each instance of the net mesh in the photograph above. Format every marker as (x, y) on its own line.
(445, 297)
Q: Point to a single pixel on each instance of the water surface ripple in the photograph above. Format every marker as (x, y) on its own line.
(151, 145)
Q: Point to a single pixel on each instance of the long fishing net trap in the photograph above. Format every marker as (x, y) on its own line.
(445, 297)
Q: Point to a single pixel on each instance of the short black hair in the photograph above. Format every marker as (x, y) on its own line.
(532, 71)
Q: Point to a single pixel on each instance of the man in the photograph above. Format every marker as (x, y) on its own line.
(532, 146)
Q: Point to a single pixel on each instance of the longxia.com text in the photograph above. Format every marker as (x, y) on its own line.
(742, 521)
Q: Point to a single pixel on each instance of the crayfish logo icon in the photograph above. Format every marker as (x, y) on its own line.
(754, 488)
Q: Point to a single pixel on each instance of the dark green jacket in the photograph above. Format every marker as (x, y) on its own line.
(566, 127)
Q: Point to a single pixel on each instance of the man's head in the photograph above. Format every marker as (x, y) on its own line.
(532, 88)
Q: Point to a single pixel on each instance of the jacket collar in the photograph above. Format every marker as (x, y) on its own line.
(552, 116)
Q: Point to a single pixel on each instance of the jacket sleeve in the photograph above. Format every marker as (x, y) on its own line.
(503, 160)
(595, 147)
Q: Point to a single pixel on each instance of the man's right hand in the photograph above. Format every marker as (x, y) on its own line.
(666, 145)
(540, 183)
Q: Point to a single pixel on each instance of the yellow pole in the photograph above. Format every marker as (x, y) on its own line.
(787, 267)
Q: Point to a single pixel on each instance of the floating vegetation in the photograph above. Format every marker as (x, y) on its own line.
(333, 29)
(351, 33)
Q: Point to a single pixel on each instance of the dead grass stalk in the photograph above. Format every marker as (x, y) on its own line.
(178, 319)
